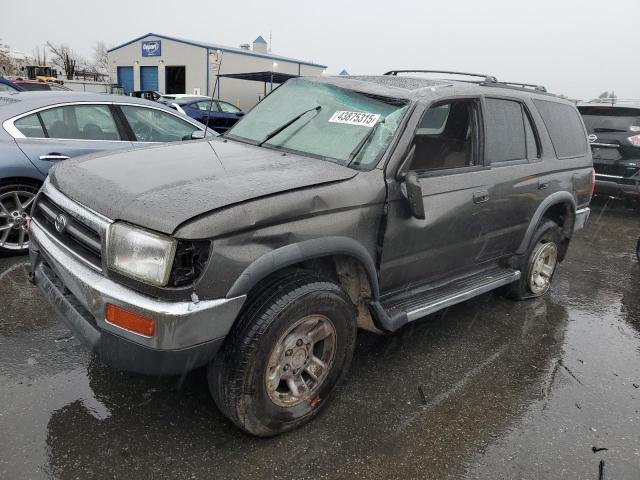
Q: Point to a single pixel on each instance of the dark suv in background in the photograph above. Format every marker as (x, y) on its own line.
(334, 204)
(614, 134)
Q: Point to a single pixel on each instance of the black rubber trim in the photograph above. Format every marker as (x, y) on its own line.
(298, 252)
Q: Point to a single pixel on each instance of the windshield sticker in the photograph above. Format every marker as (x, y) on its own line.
(634, 128)
(363, 119)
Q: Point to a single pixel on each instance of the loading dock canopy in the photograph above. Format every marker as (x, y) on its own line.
(266, 77)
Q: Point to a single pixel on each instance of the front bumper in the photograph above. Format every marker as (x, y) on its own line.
(188, 334)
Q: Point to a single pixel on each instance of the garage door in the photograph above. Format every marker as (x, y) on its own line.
(125, 79)
(148, 78)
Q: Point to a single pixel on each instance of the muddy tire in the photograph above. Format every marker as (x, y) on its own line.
(539, 264)
(16, 199)
(281, 362)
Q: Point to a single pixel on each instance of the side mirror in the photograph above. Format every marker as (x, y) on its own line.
(414, 194)
(197, 135)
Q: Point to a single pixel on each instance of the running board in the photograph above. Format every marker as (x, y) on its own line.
(397, 311)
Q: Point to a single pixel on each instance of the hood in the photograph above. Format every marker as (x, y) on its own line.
(162, 187)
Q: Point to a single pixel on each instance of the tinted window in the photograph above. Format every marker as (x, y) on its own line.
(81, 122)
(6, 88)
(151, 125)
(228, 108)
(610, 119)
(30, 126)
(204, 106)
(505, 132)
(565, 128)
(32, 87)
(446, 137)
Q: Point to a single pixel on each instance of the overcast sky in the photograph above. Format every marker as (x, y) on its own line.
(564, 44)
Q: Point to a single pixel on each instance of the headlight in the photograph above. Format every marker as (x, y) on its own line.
(140, 254)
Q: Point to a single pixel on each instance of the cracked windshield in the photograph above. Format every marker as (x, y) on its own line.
(371, 240)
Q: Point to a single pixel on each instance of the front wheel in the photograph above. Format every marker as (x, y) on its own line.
(282, 361)
(539, 264)
(15, 207)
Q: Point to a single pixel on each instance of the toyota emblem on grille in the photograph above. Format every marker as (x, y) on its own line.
(592, 138)
(61, 223)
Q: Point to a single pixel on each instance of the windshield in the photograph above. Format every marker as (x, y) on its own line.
(334, 131)
(611, 119)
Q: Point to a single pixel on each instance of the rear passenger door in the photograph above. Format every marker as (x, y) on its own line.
(512, 150)
(57, 133)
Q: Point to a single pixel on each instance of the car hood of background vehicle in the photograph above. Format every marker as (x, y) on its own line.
(162, 187)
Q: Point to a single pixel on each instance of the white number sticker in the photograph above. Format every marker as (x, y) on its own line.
(363, 119)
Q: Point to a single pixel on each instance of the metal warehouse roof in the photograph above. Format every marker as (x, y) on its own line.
(214, 46)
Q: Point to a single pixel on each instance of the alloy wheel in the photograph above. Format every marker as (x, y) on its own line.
(15, 207)
(542, 265)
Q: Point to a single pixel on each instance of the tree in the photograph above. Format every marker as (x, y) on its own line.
(611, 94)
(65, 58)
(39, 56)
(100, 58)
(7, 63)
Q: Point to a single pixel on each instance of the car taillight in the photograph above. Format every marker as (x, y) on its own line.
(592, 187)
(635, 140)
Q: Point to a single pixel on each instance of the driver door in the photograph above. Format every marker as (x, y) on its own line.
(448, 164)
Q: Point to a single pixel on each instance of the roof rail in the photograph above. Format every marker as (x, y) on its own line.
(537, 88)
(614, 100)
(487, 78)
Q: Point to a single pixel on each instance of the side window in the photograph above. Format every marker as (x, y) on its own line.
(565, 128)
(446, 136)
(228, 108)
(151, 125)
(204, 106)
(95, 122)
(505, 136)
(30, 126)
(80, 122)
(6, 88)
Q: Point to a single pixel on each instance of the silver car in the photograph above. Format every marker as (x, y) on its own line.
(42, 128)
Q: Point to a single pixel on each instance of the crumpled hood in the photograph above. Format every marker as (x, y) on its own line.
(162, 187)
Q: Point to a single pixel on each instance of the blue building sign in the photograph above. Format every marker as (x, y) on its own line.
(151, 48)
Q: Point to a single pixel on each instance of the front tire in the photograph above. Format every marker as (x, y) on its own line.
(283, 359)
(16, 199)
(539, 264)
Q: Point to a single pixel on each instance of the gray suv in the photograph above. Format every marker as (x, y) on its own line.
(335, 204)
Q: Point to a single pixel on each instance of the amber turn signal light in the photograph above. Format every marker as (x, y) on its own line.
(130, 321)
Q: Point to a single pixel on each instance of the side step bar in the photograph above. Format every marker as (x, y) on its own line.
(395, 312)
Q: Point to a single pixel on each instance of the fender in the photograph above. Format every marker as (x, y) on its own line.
(551, 200)
(298, 252)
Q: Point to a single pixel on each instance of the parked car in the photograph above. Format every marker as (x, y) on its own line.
(614, 133)
(146, 94)
(37, 86)
(221, 116)
(42, 128)
(7, 86)
(167, 97)
(335, 203)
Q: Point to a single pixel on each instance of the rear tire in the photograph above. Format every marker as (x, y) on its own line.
(16, 199)
(281, 362)
(539, 264)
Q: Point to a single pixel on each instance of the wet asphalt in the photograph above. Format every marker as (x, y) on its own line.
(489, 389)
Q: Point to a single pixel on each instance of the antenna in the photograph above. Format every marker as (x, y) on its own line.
(219, 54)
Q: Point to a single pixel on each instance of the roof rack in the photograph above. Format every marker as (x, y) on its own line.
(537, 88)
(487, 78)
(614, 100)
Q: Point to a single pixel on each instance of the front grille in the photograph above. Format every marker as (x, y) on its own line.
(78, 237)
(617, 170)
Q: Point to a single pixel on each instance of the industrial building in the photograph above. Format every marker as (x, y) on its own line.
(173, 65)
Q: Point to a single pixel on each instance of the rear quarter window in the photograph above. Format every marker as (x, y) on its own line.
(565, 128)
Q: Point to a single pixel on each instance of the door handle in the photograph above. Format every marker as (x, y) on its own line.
(54, 156)
(542, 184)
(481, 196)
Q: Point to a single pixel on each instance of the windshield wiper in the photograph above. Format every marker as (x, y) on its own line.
(275, 132)
(354, 153)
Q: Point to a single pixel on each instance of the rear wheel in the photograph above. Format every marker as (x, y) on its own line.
(16, 200)
(540, 263)
(285, 356)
